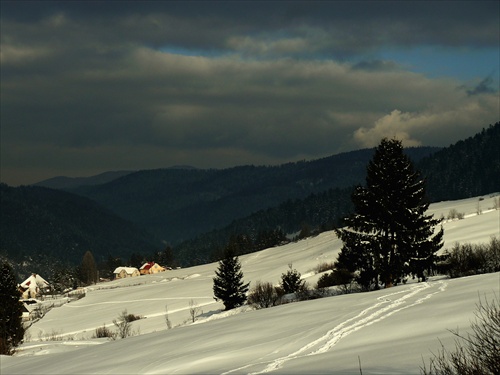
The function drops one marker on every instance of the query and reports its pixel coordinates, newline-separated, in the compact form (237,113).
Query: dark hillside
(466,169)
(178,204)
(315,213)
(63,226)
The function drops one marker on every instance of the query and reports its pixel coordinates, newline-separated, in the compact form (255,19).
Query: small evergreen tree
(290,281)
(11,326)
(389,236)
(228,281)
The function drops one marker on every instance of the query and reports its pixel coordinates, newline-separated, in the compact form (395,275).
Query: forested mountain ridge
(199,211)
(62,226)
(294,218)
(468,168)
(178,204)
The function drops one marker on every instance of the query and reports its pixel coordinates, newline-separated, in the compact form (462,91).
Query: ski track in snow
(384,308)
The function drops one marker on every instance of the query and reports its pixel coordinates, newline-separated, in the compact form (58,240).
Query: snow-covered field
(388,331)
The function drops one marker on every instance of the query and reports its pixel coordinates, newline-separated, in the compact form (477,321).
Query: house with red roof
(149,268)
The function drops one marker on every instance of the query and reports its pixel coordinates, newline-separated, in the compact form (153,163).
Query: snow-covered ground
(388,331)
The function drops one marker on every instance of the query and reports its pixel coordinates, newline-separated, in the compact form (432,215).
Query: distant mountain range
(178,204)
(197,210)
(62,182)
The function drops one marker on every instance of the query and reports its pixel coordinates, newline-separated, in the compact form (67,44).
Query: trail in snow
(384,308)
(90,329)
(117,302)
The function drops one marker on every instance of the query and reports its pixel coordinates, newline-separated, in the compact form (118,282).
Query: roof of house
(147,265)
(34,281)
(128,270)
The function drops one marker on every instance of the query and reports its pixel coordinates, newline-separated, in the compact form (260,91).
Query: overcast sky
(88,87)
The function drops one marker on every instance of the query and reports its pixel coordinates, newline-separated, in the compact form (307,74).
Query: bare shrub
(454,214)
(123,324)
(476,353)
(324,266)
(326,280)
(306,293)
(472,259)
(264,295)
(53,336)
(167,319)
(194,310)
(479,210)
(341,278)
(132,318)
(496,203)
(101,332)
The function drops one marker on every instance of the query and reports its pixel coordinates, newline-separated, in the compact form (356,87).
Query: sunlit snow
(388,331)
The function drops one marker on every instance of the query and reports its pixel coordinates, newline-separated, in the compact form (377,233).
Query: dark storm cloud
(332,28)
(94,86)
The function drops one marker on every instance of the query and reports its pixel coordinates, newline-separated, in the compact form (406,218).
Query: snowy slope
(390,330)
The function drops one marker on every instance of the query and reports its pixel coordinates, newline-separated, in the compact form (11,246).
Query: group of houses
(147,268)
(35,285)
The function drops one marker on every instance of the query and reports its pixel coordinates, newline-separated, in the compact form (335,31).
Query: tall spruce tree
(228,281)
(389,236)
(11,326)
(89,269)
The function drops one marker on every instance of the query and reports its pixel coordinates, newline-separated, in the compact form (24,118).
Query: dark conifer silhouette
(11,327)
(228,281)
(389,236)
(89,269)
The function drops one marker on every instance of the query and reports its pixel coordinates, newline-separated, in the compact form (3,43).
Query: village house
(151,268)
(123,272)
(33,286)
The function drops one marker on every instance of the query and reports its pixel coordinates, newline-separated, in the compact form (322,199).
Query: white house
(33,285)
(122,272)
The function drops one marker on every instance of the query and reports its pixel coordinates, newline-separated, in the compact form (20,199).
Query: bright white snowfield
(389,331)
